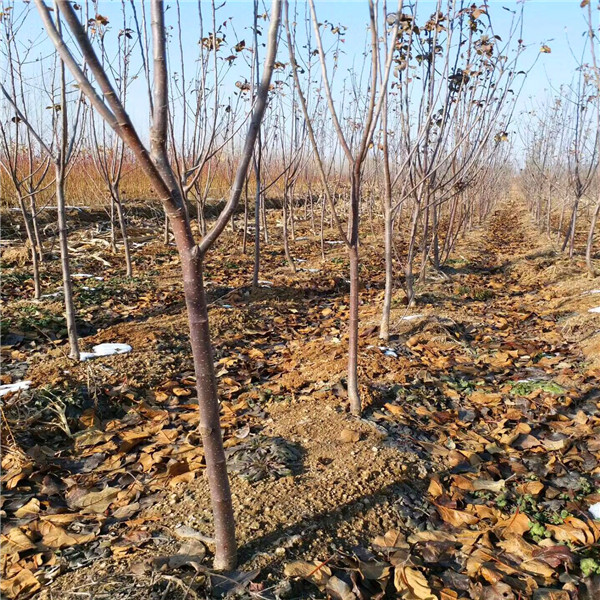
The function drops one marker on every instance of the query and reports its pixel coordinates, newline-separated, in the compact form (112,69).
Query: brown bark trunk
(36,229)
(208,402)
(409,272)
(29,230)
(590,242)
(353,394)
(256,269)
(384,328)
(286,243)
(65,265)
(113,229)
(124,236)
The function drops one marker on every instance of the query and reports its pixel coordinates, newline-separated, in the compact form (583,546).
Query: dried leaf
(349,436)
(315,572)
(23,583)
(96,502)
(55,537)
(458,518)
(412,584)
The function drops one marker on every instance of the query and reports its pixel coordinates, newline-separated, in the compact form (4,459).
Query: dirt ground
(488,385)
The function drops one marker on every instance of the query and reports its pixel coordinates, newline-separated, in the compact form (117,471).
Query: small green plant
(524,388)
(501,501)
(589,566)
(15,278)
(31,317)
(483,294)
(538,532)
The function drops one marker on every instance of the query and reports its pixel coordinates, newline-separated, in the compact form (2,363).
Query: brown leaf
(349,436)
(30,509)
(516,524)
(498,591)
(412,584)
(489,485)
(340,590)
(435,488)
(549,594)
(392,539)
(485,398)
(179,391)
(15,541)
(56,537)
(96,502)
(23,583)
(555,555)
(575,531)
(458,518)
(315,572)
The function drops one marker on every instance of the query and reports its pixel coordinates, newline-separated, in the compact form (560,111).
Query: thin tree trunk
(124,236)
(590,242)
(425,242)
(384,328)
(409,273)
(113,230)
(322,230)
(29,230)
(256,270)
(435,238)
(36,229)
(65,265)
(263,213)
(353,394)
(245,235)
(286,243)
(208,403)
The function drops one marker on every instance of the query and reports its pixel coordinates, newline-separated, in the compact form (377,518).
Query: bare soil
(508,308)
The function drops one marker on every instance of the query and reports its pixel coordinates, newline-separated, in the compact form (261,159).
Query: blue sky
(558,23)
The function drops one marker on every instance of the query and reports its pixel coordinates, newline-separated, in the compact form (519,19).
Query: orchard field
(294,307)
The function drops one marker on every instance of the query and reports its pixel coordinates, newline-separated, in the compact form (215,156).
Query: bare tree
(60,152)
(23,158)
(108,149)
(595,75)
(159,169)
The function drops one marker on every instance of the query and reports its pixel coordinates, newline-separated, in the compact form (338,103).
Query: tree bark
(31,238)
(590,241)
(208,402)
(353,394)
(65,265)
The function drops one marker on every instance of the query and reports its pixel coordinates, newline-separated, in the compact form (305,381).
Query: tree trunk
(286,243)
(29,230)
(245,234)
(384,328)
(409,272)
(208,403)
(435,238)
(65,266)
(425,242)
(113,230)
(36,229)
(124,236)
(353,394)
(590,242)
(256,270)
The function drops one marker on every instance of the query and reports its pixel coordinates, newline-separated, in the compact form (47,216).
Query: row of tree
(562,142)
(414,138)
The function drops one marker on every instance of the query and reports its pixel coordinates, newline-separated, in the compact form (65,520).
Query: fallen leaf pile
(479,385)
(54,501)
